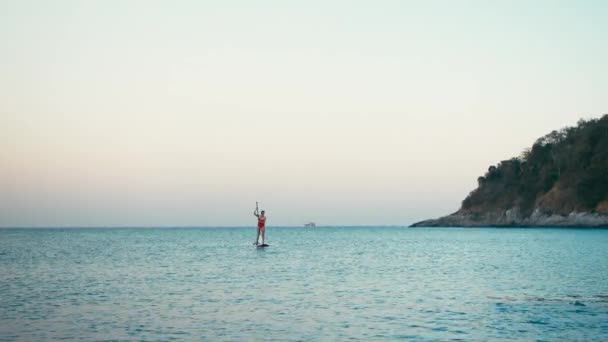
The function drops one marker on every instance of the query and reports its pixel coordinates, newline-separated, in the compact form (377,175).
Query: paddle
(257,213)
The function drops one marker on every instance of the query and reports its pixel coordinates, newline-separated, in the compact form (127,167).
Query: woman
(261,225)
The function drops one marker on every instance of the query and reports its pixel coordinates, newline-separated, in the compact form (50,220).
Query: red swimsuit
(262,222)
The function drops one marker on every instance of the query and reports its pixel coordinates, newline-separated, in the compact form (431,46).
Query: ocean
(324,283)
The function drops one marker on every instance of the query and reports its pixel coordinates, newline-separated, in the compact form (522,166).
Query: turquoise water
(373,283)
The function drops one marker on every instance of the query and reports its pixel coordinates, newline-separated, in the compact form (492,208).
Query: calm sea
(371,283)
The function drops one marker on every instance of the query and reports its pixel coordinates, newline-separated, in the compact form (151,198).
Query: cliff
(561,181)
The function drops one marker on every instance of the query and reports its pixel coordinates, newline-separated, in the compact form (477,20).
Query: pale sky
(339,112)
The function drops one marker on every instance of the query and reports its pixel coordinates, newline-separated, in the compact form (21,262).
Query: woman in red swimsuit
(261,225)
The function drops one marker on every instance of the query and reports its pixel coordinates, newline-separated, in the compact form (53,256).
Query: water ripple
(310,284)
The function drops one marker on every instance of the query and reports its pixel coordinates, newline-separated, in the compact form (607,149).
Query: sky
(185,113)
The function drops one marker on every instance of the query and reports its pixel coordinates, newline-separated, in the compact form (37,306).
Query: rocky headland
(561,181)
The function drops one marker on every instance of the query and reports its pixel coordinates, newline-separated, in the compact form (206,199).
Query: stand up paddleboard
(264,245)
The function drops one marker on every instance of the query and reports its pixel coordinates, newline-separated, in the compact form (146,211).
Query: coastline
(512,219)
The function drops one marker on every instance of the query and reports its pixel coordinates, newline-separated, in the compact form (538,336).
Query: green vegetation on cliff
(565,171)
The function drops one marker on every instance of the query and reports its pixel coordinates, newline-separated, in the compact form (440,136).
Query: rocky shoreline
(513,218)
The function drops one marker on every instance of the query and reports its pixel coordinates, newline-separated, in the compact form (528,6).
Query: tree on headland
(564,171)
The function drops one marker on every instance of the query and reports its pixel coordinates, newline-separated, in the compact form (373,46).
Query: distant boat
(310,224)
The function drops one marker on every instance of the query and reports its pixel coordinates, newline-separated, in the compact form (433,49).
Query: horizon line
(200,226)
